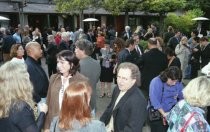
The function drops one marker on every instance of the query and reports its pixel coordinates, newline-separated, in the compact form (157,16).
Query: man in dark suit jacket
(173,41)
(152,62)
(205,51)
(125,55)
(138,50)
(37,75)
(127,109)
(127,33)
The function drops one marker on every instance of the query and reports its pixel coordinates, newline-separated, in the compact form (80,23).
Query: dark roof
(6,7)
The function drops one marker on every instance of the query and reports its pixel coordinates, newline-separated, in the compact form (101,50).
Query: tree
(202,4)
(118,6)
(75,6)
(184,22)
(162,7)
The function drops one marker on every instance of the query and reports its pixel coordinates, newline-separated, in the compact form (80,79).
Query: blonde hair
(137,29)
(183,40)
(197,92)
(14,86)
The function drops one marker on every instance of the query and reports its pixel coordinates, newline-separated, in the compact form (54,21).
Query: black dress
(106,66)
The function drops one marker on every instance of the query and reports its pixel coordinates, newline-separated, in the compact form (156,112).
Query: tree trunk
(81,17)
(161,24)
(126,18)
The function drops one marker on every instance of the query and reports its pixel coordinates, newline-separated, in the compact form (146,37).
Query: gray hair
(85,45)
(135,73)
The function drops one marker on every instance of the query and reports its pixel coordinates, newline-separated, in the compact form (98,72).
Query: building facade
(42,13)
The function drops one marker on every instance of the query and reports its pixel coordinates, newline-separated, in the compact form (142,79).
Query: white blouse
(65,84)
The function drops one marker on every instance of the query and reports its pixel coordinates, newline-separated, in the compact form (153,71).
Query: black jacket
(8,41)
(130,112)
(152,64)
(38,78)
(205,56)
(21,119)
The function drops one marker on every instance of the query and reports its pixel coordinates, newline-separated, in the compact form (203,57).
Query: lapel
(123,99)
(56,83)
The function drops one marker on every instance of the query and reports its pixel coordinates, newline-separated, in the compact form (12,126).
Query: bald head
(34,50)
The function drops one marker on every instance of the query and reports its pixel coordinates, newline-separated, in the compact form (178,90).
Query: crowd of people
(65,99)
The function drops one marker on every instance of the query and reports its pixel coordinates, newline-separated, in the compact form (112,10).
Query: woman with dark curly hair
(165,91)
(68,66)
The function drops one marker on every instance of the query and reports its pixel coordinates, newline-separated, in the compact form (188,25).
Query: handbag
(153,114)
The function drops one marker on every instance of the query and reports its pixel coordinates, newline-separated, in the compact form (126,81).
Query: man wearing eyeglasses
(127,109)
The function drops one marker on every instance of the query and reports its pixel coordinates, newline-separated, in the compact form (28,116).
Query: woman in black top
(16,104)
(172,59)
(195,57)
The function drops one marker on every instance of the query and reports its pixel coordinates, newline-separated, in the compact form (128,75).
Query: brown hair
(120,44)
(75,105)
(13,50)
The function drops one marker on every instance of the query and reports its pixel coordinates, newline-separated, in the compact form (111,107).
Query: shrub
(184,23)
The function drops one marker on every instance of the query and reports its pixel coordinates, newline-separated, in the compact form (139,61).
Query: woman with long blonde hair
(16,104)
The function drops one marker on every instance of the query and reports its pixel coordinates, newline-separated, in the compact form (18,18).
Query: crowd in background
(78,60)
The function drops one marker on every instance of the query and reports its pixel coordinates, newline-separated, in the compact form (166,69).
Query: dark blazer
(124,56)
(38,78)
(124,35)
(173,41)
(7,43)
(63,46)
(136,55)
(21,119)
(195,58)
(130,112)
(205,56)
(153,63)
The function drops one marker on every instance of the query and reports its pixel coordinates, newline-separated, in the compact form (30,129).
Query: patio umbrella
(3,18)
(200,19)
(90,20)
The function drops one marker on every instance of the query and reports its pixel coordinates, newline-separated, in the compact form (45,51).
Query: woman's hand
(162,112)
(43,107)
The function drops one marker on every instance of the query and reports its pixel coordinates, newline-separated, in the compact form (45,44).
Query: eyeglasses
(123,78)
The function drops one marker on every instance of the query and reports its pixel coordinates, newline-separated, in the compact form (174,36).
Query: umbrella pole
(199,27)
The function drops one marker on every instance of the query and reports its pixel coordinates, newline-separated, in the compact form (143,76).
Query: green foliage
(202,4)
(115,6)
(183,23)
(162,6)
(143,43)
(118,6)
(72,6)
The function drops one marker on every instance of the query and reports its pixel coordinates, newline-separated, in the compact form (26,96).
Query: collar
(86,58)
(32,59)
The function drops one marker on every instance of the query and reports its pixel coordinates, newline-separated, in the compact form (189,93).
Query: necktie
(138,50)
